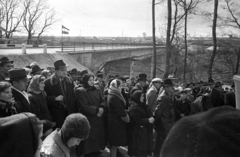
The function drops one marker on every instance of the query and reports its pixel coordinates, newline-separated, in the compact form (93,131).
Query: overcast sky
(114,18)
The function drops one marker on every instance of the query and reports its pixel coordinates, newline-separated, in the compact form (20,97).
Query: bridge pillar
(44,48)
(24,48)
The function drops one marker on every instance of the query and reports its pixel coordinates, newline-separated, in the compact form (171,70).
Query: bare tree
(154,58)
(38,17)
(188,8)
(12,16)
(214,52)
(168,40)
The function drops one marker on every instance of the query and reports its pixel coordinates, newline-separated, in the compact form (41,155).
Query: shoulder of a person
(80,88)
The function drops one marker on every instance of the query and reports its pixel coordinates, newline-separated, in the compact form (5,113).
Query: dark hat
(142,77)
(73,71)
(191,83)
(75,125)
(47,125)
(167,82)
(17,74)
(211,133)
(210,81)
(99,74)
(59,64)
(36,68)
(218,84)
(84,72)
(5,60)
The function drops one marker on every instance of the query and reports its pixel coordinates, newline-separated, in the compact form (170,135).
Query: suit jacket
(60,110)
(152,95)
(164,114)
(21,103)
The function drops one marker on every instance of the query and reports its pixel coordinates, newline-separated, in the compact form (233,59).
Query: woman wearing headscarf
(117,117)
(140,142)
(37,98)
(20,135)
(6,100)
(91,104)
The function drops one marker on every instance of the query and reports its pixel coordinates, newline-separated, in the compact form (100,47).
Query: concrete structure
(122,62)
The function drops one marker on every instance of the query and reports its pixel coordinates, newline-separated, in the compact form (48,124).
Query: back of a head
(214,133)
(75,125)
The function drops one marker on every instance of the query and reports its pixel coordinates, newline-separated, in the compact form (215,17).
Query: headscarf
(85,79)
(34,84)
(19,135)
(113,89)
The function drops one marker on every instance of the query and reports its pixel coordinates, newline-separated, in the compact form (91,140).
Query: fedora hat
(73,71)
(5,60)
(36,68)
(167,82)
(59,64)
(84,72)
(142,77)
(17,74)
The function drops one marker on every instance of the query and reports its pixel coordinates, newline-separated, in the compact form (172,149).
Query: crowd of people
(79,114)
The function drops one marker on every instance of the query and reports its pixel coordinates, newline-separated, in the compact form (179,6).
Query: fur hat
(215,133)
(75,125)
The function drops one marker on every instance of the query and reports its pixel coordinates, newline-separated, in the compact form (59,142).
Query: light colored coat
(53,146)
(152,95)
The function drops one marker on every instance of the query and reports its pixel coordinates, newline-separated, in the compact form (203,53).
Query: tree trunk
(154,58)
(185,40)
(214,39)
(237,64)
(168,43)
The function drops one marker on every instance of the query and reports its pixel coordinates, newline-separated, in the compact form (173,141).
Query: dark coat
(229,99)
(217,98)
(117,131)
(60,110)
(89,101)
(164,114)
(21,103)
(141,140)
(182,107)
(9,109)
(135,88)
(40,107)
(196,107)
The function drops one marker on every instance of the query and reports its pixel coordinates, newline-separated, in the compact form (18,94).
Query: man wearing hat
(152,93)
(164,115)
(73,76)
(5,65)
(60,93)
(142,79)
(36,70)
(19,81)
(182,106)
(99,83)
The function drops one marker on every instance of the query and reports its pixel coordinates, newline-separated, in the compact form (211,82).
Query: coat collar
(54,80)
(57,138)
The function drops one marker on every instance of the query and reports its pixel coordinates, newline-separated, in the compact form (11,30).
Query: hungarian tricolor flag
(65,30)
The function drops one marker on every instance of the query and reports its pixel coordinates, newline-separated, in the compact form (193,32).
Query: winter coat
(21,103)
(229,99)
(40,107)
(152,95)
(141,140)
(60,110)
(89,100)
(135,88)
(53,146)
(196,107)
(8,110)
(182,108)
(164,114)
(117,131)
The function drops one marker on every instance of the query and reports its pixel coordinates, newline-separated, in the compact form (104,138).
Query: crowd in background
(131,112)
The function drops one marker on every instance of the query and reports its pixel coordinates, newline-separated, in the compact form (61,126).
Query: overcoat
(60,110)
(141,140)
(89,100)
(117,131)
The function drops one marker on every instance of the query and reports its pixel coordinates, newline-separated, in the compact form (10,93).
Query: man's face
(74,77)
(183,96)
(6,67)
(142,83)
(61,72)
(157,85)
(21,85)
(169,89)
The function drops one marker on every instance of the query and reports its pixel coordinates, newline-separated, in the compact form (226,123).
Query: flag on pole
(65,30)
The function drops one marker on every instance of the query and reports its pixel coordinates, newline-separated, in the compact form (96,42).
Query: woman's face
(41,85)
(6,95)
(91,81)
